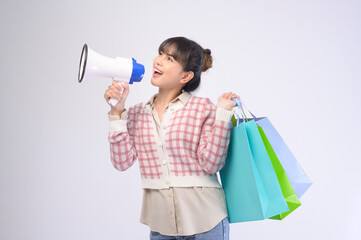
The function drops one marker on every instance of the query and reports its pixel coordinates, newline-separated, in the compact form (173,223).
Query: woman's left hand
(225,100)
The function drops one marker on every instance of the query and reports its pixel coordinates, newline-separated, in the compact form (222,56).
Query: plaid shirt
(196,134)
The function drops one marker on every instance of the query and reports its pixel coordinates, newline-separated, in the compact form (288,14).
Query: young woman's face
(167,72)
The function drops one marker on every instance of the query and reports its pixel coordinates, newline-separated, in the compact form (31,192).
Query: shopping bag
(287,190)
(248,178)
(297,176)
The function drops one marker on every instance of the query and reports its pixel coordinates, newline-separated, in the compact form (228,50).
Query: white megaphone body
(93,64)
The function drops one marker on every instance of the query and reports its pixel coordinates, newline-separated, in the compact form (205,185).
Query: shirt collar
(183,98)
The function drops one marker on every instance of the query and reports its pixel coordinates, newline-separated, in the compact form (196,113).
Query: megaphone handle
(114,101)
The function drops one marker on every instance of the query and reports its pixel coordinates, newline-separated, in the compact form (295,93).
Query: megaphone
(93,64)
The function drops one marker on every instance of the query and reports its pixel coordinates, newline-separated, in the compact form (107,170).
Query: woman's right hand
(114,91)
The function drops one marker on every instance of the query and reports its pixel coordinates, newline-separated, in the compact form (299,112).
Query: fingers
(229,95)
(118,90)
(125,87)
(112,92)
(120,85)
(124,84)
(234,96)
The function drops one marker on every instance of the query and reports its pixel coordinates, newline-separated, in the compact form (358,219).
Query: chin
(153,82)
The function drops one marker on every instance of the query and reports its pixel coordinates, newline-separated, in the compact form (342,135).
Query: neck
(164,97)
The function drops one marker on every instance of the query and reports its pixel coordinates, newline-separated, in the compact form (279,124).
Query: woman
(181,143)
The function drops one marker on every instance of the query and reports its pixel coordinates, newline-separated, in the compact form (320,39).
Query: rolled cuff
(224,114)
(118,125)
(116,117)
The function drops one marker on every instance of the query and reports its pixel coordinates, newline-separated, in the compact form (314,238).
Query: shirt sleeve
(215,135)
(121,138)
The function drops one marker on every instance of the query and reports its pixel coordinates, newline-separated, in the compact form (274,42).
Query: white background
(296,62)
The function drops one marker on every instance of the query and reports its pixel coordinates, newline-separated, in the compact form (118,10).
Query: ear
(187,76)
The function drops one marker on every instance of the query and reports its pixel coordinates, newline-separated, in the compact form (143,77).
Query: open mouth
(157,72)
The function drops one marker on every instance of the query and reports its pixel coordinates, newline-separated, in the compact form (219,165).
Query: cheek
(174,71)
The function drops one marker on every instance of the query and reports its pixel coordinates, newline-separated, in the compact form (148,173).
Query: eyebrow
(171,55)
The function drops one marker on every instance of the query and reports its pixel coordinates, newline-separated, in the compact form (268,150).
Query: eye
(160,53)
(170,59)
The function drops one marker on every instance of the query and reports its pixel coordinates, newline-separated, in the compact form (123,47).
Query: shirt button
(159,145)
(164,162)
(167,182)
(164,127)
(172,109)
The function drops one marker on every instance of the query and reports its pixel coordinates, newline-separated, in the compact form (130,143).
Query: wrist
(116,112)
(223,105)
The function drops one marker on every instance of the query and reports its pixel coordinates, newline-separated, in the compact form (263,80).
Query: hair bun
(207,51)
(207,60)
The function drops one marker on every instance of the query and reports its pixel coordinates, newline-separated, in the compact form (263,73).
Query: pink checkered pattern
(195,142)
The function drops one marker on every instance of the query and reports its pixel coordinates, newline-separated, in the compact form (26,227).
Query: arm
(215,135)
(121,132)
(121,138)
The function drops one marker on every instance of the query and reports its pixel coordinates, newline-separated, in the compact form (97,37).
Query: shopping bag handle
(240,111)
(242,105)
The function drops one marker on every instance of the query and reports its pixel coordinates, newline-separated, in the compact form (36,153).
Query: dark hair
(192,57)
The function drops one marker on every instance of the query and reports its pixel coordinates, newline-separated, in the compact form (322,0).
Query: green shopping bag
(287,190)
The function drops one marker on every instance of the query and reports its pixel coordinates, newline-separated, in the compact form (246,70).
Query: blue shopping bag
(248,178)
(295,173)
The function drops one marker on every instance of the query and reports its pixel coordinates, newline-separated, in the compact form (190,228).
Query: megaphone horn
(93,64)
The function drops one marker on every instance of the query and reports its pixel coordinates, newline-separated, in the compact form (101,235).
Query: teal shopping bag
(248,178)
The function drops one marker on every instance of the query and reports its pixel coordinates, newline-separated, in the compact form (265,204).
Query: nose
(158,60)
